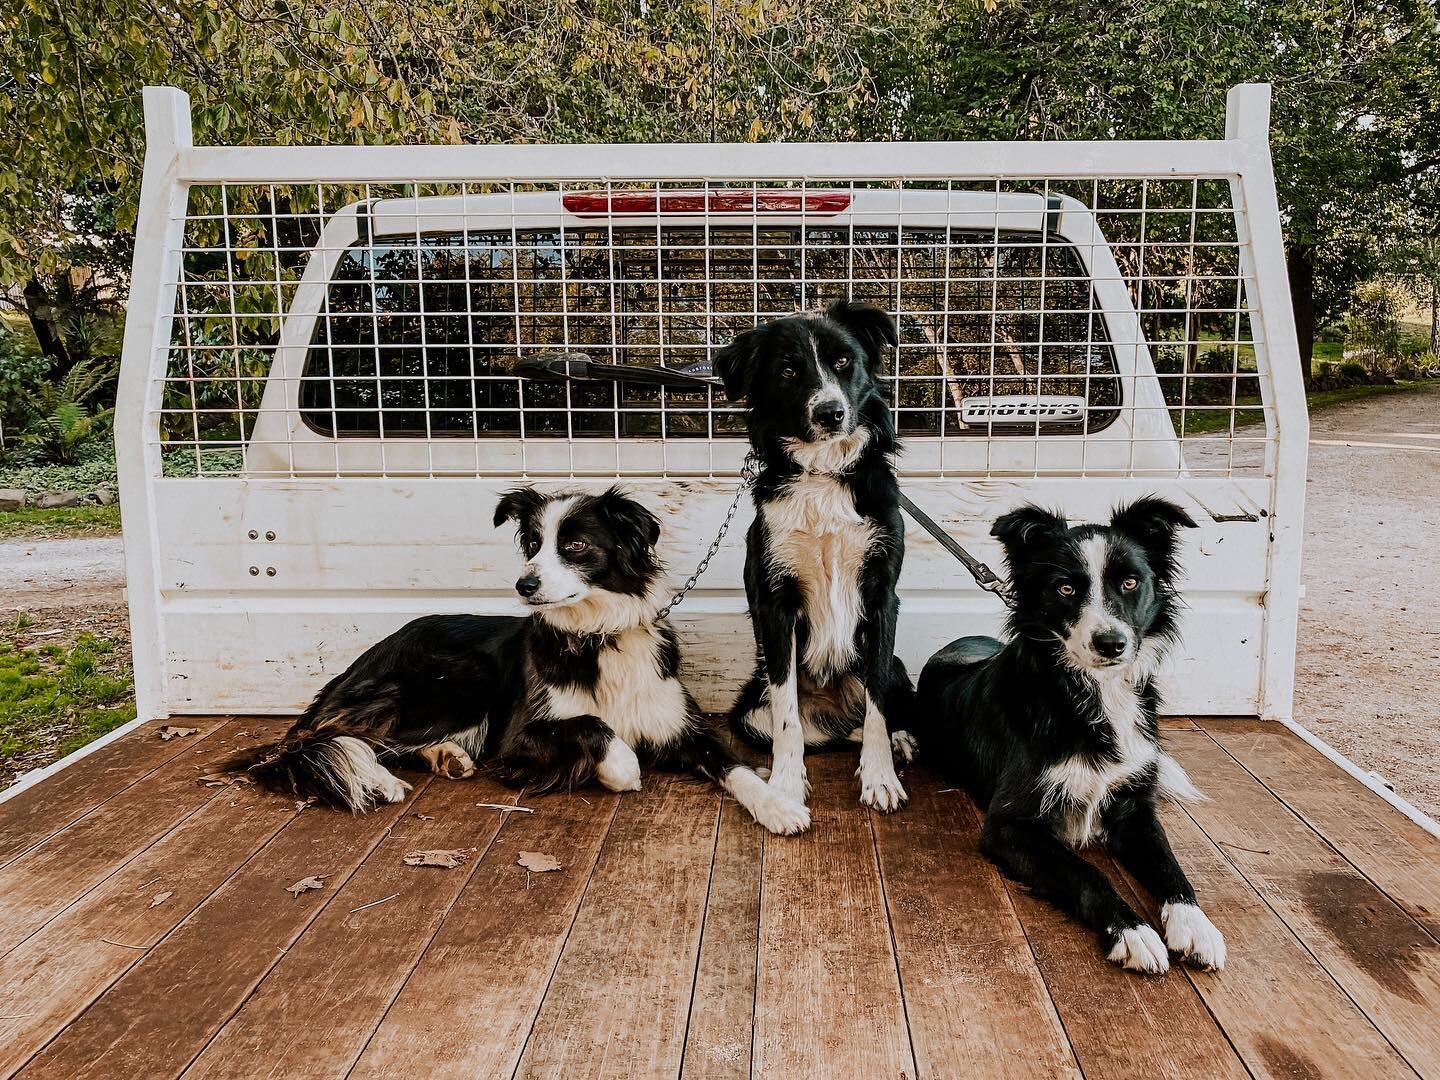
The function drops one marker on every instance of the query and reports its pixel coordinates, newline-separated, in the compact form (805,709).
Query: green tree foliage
(1356,111)
(1356,114)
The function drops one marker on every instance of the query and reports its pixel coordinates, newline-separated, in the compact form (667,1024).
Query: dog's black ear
(736,364)
(872,325)
(1023,527)
(628,517)
(636,532)
(1152,522)
(518,504)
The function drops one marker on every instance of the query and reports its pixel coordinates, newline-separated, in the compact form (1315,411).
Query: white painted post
(1277,352)
(158,234)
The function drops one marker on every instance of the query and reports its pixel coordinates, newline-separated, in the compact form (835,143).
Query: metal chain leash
(749,470)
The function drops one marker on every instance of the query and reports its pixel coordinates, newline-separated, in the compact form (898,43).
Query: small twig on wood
(1242,847)
(122,945)
(505,808)
(946,790)
(374,903)
(147,884)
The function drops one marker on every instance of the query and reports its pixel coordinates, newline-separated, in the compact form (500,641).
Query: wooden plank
(46,981)
(218,954)
(346,969)
(45,880)
(1383,844)
(976,1002)
(1119,1023)
(621,993)
(39,812)
(1383,959)
(827,996)
(466,1008)
(1281,1011)
(722,1008)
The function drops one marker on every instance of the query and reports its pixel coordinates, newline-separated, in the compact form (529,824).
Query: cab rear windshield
(419,336)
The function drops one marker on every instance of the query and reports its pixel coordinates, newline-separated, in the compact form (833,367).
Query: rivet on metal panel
(253,535)
(269,571)
(254,570)
(270,535)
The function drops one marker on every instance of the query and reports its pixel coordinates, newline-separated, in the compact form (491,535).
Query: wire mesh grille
(1046,327)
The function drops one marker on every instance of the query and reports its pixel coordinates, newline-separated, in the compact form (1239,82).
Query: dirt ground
(1369,649)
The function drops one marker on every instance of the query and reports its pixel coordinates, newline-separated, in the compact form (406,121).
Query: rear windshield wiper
(578,367)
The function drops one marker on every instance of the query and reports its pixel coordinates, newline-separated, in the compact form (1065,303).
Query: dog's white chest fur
(630,694)
(1079,786)
(817,535)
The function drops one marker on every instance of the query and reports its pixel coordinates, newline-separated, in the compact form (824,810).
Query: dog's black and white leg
(1138,840)
(547,752)
(776,630)
(1031,854)
(880,788)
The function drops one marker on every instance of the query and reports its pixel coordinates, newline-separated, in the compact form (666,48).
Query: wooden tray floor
(146,930)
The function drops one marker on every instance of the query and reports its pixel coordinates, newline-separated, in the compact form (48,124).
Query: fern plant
(58,419)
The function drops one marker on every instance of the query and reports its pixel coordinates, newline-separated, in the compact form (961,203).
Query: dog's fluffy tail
(341,770)
(1173,781)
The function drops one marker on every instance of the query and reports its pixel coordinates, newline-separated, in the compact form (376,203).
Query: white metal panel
(353,557)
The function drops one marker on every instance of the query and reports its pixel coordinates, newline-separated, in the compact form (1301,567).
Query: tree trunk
(47,333)
(1300,263)
(1435,315)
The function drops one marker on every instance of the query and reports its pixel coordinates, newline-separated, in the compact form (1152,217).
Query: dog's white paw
(391,789)
(903,746)
(781,814)
(619,769)
(1189,932)
(880,788)
(1140,949)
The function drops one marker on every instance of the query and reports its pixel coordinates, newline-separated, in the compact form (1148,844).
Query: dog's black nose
(829,415)
(528,585)
(1109,644)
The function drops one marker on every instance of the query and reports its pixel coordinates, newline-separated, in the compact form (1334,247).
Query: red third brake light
(598,204)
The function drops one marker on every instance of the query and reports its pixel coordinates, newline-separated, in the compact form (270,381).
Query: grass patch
(1200,422)
(55,699)
(60,522)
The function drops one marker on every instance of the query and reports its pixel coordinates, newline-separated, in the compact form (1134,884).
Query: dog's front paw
(880,789)
(1189,932)
(1139,948)
(903,746)
(619,769)
(781,814)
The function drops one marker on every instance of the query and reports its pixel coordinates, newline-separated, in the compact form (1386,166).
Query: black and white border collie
(825,549)
(1055,733)
(584,688)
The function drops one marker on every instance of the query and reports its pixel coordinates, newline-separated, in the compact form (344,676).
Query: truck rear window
(419,336)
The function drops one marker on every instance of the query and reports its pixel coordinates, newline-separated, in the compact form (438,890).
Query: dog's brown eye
(1067,590)
(788,372)
(841,363)
(577,547)
(1130,584)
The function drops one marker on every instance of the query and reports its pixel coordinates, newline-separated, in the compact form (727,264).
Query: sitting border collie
(583,688)
(1055,733)
(824,551)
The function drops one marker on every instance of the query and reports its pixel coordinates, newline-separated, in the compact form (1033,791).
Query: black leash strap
(983,575)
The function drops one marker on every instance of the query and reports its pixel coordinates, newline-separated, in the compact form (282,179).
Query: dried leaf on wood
(306,884)
(160,898)
(445,859)
(538,861)
(167,732)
